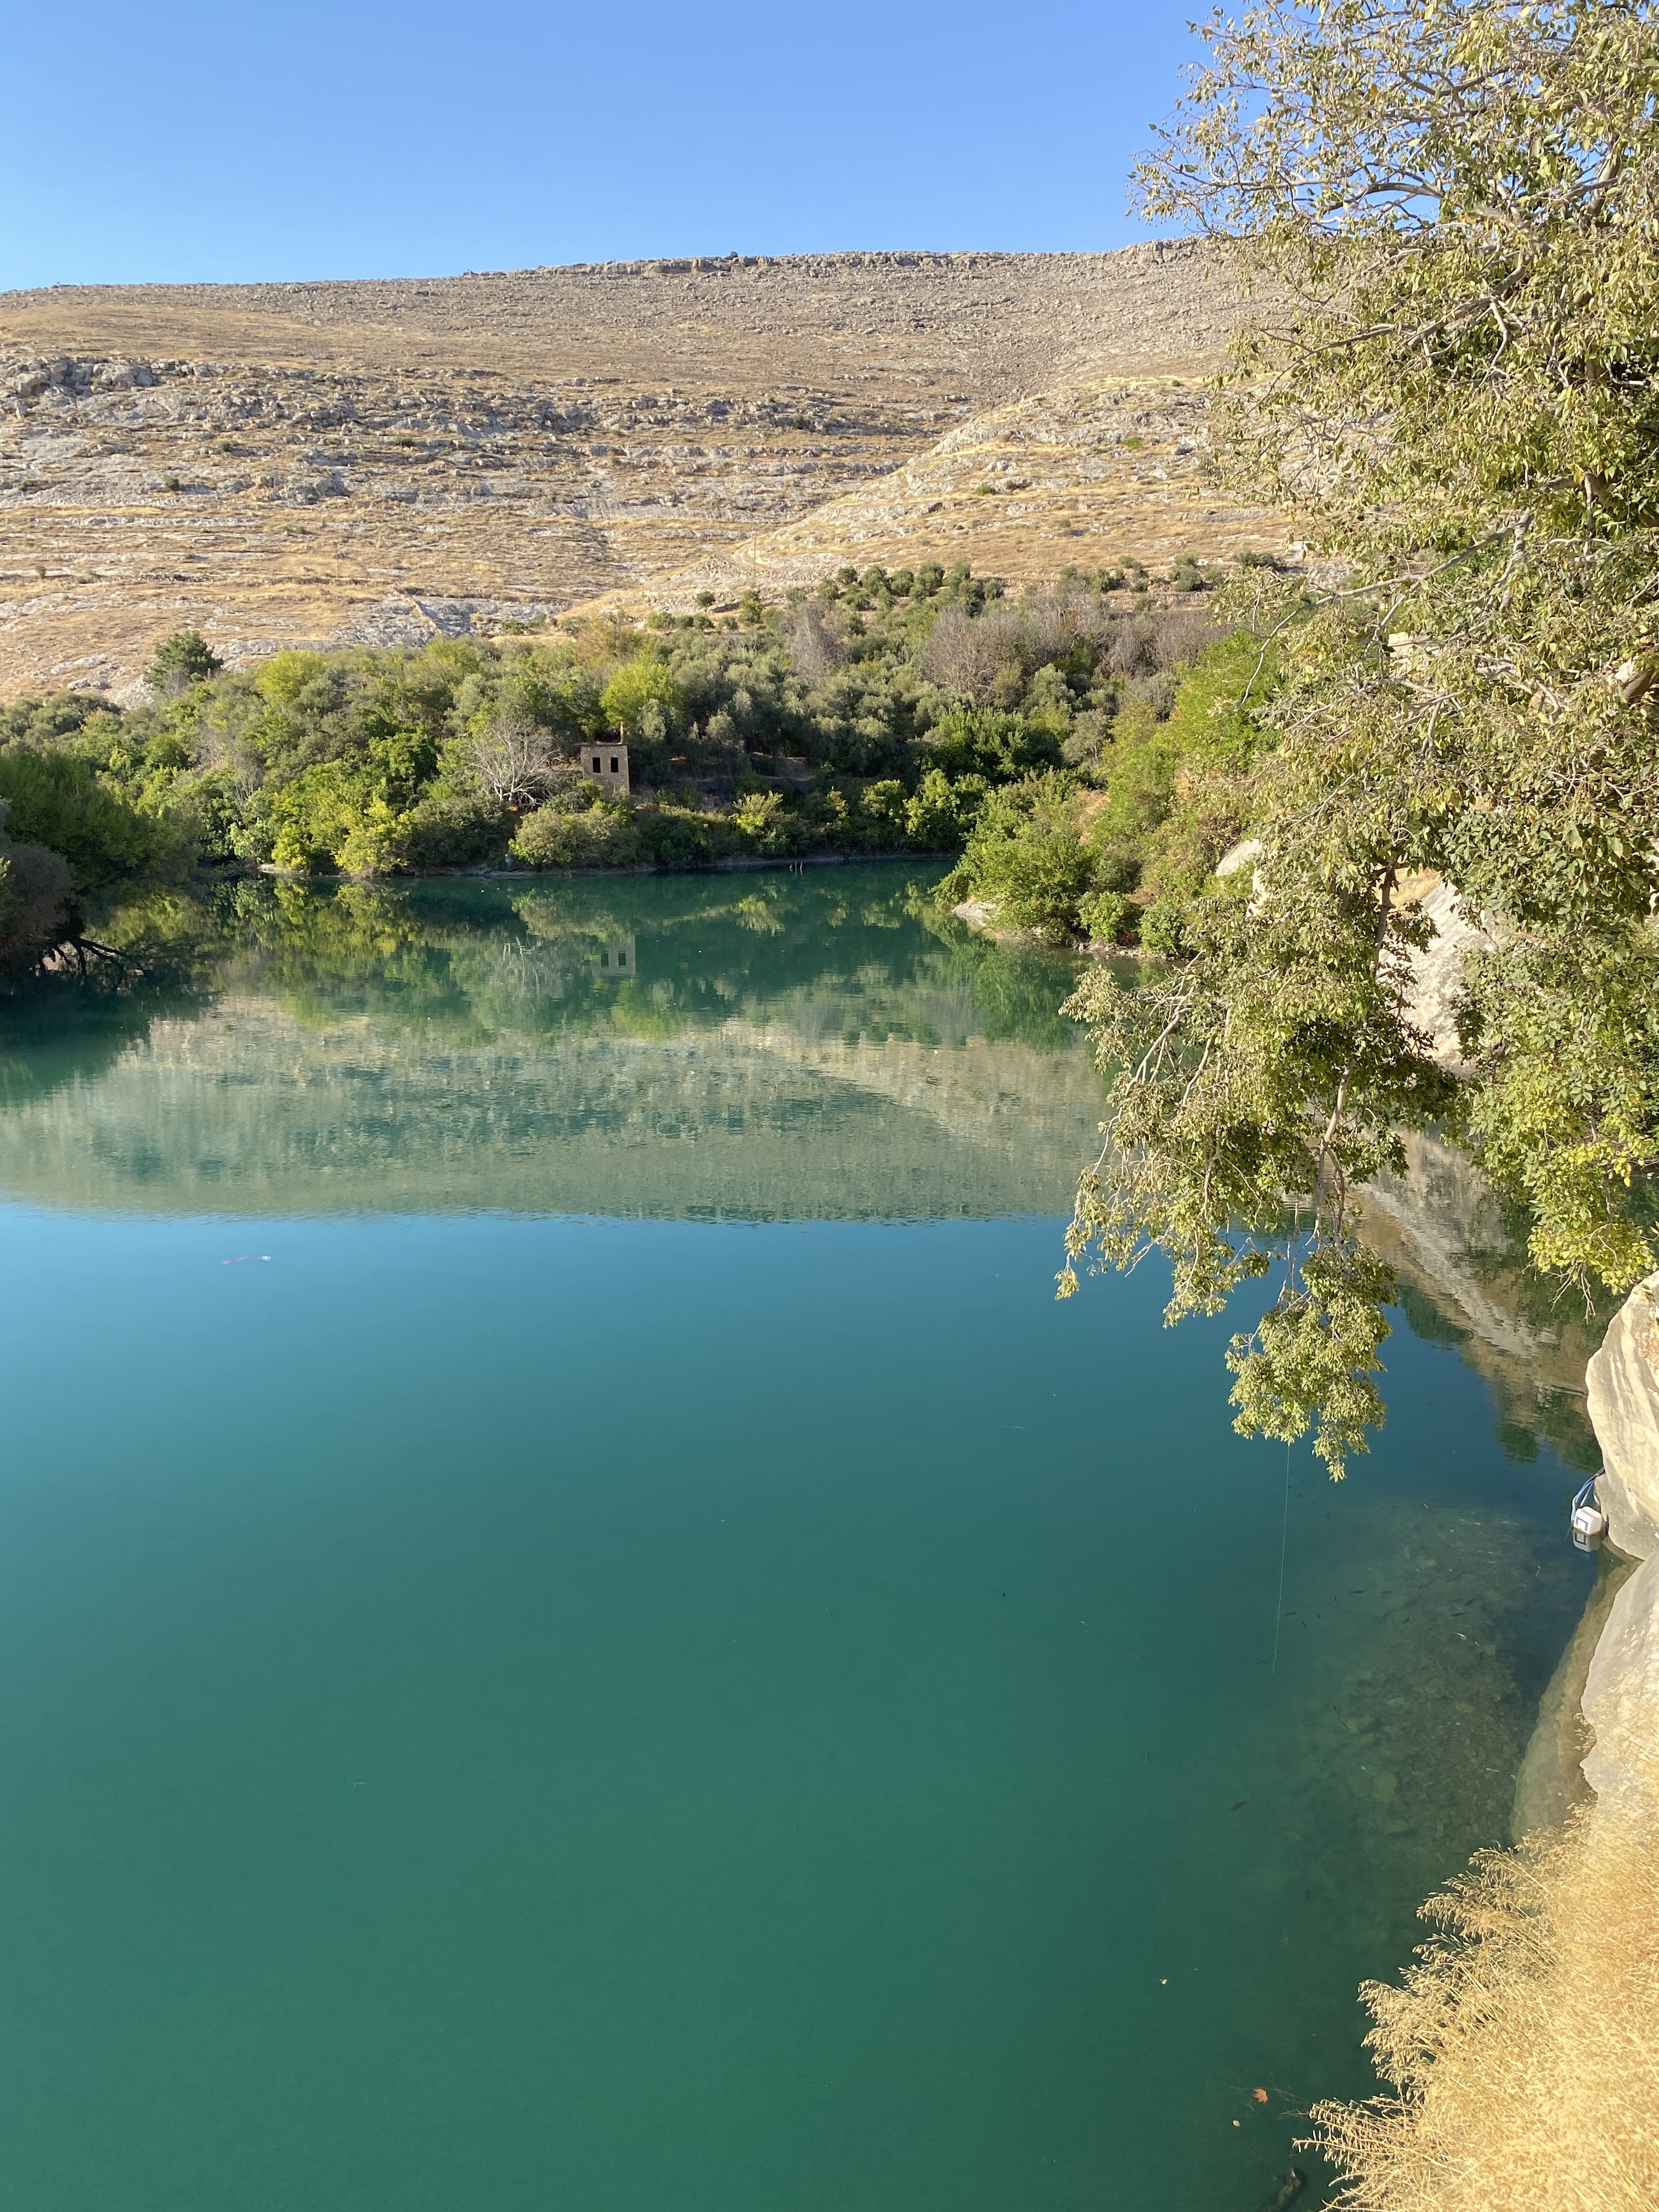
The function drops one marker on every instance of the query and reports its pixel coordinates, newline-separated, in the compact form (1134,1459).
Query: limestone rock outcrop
(1623,1404)
(1437,971)
(1621,1693)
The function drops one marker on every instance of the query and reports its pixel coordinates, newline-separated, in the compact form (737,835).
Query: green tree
(1025,852)
(284,678)
(182,659)
(37,901)
(601,836)
(940,813)
(57,800)
(1448,211)
(644,693)
(969,740)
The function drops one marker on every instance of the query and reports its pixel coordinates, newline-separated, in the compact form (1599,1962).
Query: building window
(622,960)
(616,765)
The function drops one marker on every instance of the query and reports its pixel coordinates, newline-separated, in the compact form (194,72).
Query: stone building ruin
(606,764)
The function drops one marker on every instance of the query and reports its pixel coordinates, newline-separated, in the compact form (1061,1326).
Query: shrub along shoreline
(732,864)
(922,713)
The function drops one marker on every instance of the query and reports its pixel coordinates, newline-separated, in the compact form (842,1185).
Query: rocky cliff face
(1598,1727)
(1621,1691)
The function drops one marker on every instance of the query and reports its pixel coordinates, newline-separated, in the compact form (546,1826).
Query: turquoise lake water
(577,1627)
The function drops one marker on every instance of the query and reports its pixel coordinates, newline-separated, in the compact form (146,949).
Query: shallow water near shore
(577,1625)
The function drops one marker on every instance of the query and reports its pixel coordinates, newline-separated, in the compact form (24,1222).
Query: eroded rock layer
(380,462)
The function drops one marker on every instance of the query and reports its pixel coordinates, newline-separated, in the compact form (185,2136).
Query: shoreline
(730,864)
(1598,1721)
(1620,1702)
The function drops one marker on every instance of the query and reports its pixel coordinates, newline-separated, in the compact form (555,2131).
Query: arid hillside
(1087,473)
(376,461)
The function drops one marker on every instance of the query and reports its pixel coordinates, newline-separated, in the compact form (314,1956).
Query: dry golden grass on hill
(1092,475)
(377,462)
(1526,2045)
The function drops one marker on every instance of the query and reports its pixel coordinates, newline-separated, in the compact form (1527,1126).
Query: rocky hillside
(278,464)
(1092,474)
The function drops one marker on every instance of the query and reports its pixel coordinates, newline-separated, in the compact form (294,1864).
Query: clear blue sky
(178,140)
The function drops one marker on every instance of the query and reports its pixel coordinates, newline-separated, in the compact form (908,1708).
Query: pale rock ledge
(1621,1693)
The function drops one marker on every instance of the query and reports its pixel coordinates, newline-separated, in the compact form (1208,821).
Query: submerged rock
(1290,2186)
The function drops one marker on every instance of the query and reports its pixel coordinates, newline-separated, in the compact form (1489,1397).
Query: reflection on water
(1460,1258)
(819,1046)
(790,1047)
(642,1659)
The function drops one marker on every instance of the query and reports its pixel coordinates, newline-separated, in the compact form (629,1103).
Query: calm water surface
(577,1628)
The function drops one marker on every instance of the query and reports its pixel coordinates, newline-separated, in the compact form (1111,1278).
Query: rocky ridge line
(280,464)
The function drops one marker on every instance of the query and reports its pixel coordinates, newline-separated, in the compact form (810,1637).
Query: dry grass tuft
(1524,2045)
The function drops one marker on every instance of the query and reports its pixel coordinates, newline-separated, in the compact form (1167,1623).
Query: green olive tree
(1446,216)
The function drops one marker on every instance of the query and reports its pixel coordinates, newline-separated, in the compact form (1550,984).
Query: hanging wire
(1284,1538)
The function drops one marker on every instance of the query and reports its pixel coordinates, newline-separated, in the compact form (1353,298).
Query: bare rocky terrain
(380,461)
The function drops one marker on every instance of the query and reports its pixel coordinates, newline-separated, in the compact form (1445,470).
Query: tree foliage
(183,659)
(822,725)
(37,901)
(1450,216)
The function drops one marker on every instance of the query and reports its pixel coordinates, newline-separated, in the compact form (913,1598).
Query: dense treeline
(913,711)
